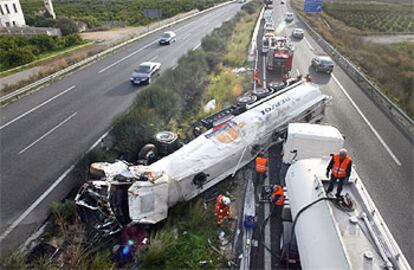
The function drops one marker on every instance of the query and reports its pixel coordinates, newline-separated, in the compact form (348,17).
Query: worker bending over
(261,166)
(278,197)
(223,209)
(340,165)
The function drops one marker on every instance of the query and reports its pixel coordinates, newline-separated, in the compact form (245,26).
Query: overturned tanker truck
(128,193)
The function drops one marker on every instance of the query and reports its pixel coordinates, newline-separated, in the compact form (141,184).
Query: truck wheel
(261,93)
(167,142)
(149,153)
(246,99)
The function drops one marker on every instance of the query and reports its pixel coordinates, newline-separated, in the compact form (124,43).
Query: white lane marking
(35,204)
(126,57)
(46,193)
(367,122)
(267,256)
(307,42)
(37,107)
(48,133)
(186,36)
(197,46)
(153,58)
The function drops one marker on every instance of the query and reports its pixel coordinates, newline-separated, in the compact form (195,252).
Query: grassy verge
(390,66)
(188,238)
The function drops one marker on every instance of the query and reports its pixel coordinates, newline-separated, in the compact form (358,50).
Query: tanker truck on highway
(122,193)
(323,232)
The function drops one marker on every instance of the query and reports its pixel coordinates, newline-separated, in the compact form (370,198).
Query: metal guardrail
(95,57)
(386,104)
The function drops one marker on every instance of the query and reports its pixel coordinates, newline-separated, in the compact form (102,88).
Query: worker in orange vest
(223,208)
(261,166)
(341,165)
(278,197)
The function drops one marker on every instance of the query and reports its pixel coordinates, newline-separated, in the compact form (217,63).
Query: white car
(167,38)
(289,17)
(298,33)
(144,73)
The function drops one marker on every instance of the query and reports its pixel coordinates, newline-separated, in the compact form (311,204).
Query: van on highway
(289,17)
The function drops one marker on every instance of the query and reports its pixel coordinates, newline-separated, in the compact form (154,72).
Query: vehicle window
(165,35)
(143,69)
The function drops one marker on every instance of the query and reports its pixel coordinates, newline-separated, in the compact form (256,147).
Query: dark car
(167,38)
(144,72)
(323,64)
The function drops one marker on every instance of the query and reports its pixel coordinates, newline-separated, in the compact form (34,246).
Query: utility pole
(49,8)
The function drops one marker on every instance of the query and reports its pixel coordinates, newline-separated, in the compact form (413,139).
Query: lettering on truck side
(275,106)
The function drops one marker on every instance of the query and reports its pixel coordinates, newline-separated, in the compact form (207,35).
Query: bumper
(139,81)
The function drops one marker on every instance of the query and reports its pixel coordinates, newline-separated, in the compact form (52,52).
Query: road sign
(313,6)
(153,13)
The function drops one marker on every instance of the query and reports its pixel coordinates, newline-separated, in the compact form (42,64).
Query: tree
(66,26)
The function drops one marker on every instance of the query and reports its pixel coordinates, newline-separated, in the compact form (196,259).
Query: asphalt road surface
(44,133)
(381,152)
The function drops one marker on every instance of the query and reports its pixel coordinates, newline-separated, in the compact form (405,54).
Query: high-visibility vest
(339,169)
(278,196)
(221,208)
(261,163)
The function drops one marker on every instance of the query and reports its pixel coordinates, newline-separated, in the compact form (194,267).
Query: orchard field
(370,17)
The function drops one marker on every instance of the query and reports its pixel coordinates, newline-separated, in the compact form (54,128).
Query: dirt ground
(388,39)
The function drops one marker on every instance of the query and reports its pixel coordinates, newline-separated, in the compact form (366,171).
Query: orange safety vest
(261,164)
(339,169)
(278,196)
(222,210)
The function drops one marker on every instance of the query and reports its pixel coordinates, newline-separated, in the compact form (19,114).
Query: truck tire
(96,171)
(246,99)
(261,92)
(167,142)
(149,153)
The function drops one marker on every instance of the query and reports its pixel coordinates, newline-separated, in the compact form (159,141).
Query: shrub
(17,56)
(66,26)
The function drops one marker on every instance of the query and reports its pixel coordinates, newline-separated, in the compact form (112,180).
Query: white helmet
(226,200)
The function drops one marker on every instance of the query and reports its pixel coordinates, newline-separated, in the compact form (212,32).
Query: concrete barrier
(100,55)
(399,117)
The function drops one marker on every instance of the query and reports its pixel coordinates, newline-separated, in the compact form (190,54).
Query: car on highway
(167,38)
(144,72)
(269,7)
(323,64)
(298,33)
(289,16)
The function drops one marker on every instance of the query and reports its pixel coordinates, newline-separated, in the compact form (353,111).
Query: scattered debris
(210,106)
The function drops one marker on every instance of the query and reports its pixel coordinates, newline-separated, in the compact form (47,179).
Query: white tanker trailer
(143,194)
(329,235)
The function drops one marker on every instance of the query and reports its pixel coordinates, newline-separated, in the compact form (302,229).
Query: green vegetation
(96,12)
(369,17)
(390,66)
(20,50)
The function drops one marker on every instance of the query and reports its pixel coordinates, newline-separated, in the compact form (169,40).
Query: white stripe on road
(45,194)
(186,36)
(37,107)
(307,42)
(47,133)
(367,122)
(153,58)
(126,57)
(197,46)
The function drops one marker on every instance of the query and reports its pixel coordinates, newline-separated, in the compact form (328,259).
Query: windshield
(165,35)
(143,69)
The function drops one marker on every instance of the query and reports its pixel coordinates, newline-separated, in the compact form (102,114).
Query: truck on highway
(279,59)
(122,193)
(322,232)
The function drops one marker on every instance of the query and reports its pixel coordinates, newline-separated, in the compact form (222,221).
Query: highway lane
(382,153)
(44,133)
